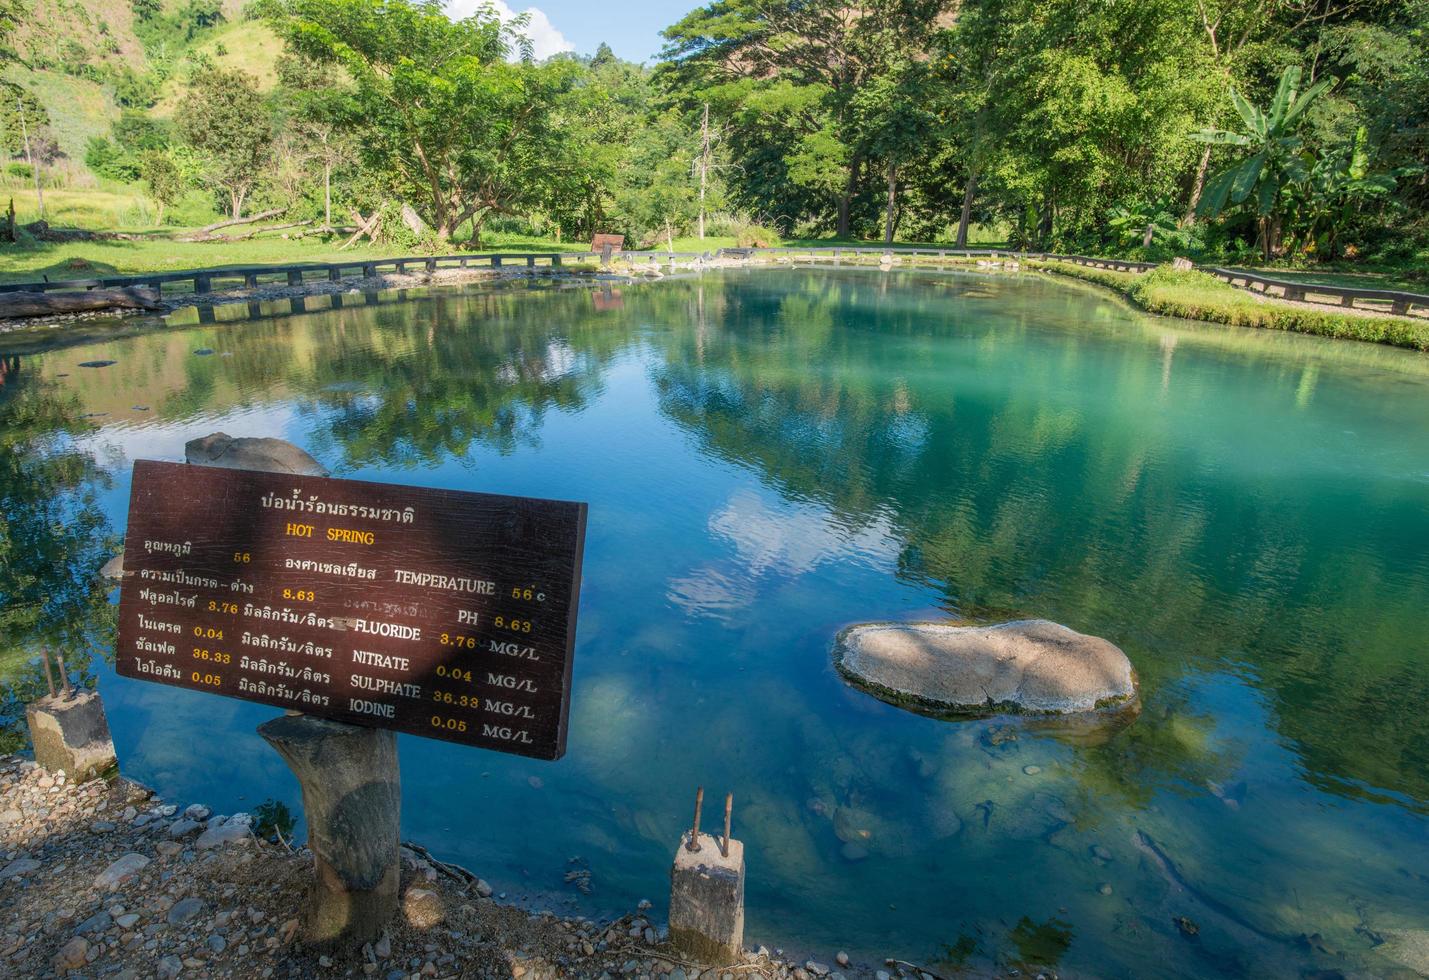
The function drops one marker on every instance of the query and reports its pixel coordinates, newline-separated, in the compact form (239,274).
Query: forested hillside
(1268,130)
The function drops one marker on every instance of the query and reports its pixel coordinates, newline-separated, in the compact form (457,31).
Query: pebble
(423,908)
(1104,888)
(72,955)
(816,968)
(120,871)
(127,920)
(841,959)
(184,910)
(231,831)
(382,949)
(170,966)
(19,867)
(98,922)
(184,827)
(1031,770)
(102,827)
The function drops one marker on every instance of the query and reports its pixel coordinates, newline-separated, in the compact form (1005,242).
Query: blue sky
(631,27)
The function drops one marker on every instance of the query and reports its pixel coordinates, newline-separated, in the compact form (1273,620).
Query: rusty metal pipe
(66,691)
(728,812)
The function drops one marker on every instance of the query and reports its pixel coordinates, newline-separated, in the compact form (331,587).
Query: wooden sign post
(605,245)
(439,613)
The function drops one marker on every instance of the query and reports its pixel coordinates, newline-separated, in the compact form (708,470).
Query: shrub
(752,235)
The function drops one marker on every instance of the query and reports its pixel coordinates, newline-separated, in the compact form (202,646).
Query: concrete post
(71,733)
(707,900)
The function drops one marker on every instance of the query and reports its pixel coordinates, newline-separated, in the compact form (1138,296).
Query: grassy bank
(1198,296)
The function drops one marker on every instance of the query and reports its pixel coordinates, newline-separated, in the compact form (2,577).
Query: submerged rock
(271,455)
(1030,665)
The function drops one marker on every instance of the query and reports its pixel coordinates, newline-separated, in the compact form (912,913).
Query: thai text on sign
(434,612)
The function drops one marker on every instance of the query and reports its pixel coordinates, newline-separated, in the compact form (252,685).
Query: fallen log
(19,304)
(326,230)
(248,234)
(204,233)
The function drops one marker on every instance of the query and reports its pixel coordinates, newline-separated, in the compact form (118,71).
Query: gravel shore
(105,880)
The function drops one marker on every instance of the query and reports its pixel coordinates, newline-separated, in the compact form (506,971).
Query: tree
(787,73)
(318,103)
(226,121)
(453,127)
(893,126)
(1275,157)
(165,181)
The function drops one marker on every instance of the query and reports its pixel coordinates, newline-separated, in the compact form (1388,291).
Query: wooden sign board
(602,241)
(440,613)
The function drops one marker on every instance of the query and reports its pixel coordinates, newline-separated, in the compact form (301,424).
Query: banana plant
(1339,189)
(1273,157)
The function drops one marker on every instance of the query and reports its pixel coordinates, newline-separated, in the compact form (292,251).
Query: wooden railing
(206,280)
(1398,301)
(203,281)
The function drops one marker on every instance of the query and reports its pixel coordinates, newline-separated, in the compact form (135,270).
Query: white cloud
(546,38)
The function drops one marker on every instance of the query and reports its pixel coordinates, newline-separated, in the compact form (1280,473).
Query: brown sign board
(440,613)
(603,241)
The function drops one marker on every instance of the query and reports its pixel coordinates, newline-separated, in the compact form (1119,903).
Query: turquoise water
(772,455)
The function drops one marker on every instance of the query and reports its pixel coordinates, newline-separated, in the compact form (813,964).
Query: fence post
(295,277)
(203,283)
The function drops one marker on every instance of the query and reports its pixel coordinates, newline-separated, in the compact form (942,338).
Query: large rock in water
(270,455)
(1032,666)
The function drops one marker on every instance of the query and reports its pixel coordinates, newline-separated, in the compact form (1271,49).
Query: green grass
(112,210)
(78,108)
(1200,296)
(249,45)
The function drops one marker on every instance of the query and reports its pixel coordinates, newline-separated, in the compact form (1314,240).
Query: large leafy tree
(226,121)
(1271,156)
(787,74)
(453,127)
